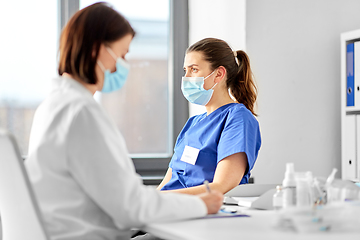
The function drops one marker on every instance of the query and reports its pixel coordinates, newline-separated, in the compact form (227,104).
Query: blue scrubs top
(230,129)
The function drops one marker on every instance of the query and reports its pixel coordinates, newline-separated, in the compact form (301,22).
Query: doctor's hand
(213,200)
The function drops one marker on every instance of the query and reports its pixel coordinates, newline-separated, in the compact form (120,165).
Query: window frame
(152,169)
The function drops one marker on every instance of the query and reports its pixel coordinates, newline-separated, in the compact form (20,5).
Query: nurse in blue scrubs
(221,145)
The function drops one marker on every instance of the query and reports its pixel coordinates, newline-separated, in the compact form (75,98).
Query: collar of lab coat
(66,83)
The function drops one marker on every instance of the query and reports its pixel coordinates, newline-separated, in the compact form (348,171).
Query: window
(150,110)
(29,42)
(141,108)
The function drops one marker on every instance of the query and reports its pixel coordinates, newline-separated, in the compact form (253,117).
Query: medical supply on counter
(322,204)
(331,177)
(342,190)
(319,190)
(278,198)
(289,186)
(304,189)
(339,217)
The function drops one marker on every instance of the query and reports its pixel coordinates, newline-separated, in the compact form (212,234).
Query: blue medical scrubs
(230,129)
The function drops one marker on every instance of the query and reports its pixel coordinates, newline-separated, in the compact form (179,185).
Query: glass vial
(289,186)
(278,198)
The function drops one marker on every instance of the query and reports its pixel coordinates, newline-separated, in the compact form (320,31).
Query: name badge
(190,155)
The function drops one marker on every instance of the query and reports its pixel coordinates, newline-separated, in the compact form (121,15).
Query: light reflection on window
(141,108)
(28,47)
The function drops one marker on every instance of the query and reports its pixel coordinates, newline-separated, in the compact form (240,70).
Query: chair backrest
(20,215)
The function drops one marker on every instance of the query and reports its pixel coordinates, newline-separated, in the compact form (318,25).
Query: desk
(257,227)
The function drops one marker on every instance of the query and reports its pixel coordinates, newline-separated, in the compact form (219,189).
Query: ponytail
(242,85)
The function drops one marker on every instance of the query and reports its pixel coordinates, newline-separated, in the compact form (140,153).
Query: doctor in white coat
(78,163)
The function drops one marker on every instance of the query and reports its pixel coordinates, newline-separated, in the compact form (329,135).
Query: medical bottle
(278,198)
(289,186)
(304,191)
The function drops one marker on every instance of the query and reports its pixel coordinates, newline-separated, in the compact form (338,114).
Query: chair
(20,215)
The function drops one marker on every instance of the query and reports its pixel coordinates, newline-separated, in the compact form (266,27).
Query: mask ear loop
(111,53)
(209,76)
(101,65)
(214,86)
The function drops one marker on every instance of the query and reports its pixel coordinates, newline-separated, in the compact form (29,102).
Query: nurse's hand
(213,201)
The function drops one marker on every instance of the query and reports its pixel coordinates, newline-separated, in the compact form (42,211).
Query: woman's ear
(220,74)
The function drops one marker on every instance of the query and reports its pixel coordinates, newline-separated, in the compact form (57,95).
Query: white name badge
(190,155)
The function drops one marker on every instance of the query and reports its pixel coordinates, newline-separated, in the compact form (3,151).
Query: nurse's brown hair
(82,36)
(240,79)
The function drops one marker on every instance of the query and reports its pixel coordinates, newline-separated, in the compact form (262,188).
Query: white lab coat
(85,183)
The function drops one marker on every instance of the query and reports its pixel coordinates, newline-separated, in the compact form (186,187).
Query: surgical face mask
(114,81)
(193,90)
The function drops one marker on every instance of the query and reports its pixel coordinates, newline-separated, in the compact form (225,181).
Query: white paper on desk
(245,201)
(250,190)
(263,202)
(226,215)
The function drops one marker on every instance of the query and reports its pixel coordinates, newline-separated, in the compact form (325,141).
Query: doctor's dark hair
(83,35)
(240,79)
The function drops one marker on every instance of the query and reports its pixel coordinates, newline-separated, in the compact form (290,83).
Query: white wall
(294,48)
(295,51)
(224,19)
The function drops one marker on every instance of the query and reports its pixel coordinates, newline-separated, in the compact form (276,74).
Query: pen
(206,183)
